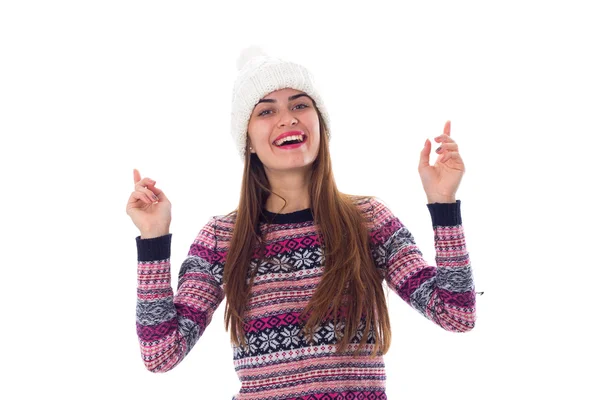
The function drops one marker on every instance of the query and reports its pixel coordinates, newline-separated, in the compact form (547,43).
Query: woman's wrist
(154,234)
(431,200)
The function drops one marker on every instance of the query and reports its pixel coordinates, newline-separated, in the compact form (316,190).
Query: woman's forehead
(281,92)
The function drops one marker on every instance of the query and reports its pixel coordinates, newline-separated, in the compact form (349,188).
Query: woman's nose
(287,119)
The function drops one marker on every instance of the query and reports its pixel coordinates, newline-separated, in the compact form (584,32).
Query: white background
(91,90)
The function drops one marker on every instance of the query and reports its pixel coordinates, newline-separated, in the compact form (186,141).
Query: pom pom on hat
(258,75)
(247,54)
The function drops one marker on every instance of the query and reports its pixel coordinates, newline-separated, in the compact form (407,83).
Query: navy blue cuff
(154,249)
(445,214)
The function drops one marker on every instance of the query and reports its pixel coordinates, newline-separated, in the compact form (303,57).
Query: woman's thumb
(424,158)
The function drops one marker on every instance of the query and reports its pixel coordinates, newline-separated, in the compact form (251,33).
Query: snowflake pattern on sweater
(278,363)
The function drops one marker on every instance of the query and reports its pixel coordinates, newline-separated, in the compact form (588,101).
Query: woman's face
(280,112)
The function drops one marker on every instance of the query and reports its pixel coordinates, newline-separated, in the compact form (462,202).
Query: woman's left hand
(441,180)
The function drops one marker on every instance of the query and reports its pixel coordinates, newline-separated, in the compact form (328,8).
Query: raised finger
(447,128)
(136,176)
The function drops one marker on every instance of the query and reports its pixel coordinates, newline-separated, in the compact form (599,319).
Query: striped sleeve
(169,325)
(444,294)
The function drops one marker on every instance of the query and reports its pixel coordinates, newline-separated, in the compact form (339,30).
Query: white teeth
(287,139)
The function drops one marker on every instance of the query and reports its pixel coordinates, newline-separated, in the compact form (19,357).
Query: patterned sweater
(278,364)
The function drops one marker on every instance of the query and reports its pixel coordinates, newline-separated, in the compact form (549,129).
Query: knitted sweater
(278,364)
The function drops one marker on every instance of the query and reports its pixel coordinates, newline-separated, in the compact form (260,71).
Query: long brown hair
(350,280)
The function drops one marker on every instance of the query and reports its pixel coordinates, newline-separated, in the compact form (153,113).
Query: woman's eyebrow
(294,97)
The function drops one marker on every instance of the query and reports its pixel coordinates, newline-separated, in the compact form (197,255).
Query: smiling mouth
(293,142)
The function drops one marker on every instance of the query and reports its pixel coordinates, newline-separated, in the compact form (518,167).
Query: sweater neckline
(304,215)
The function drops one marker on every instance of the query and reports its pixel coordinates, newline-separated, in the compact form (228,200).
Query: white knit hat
(260,75)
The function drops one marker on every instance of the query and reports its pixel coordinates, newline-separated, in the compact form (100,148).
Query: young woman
(300,264)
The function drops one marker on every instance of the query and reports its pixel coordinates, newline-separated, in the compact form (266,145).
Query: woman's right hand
(149,208)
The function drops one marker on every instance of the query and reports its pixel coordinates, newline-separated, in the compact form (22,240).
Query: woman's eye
(303,106)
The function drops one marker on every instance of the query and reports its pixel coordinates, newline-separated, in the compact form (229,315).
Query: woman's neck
(294,187)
